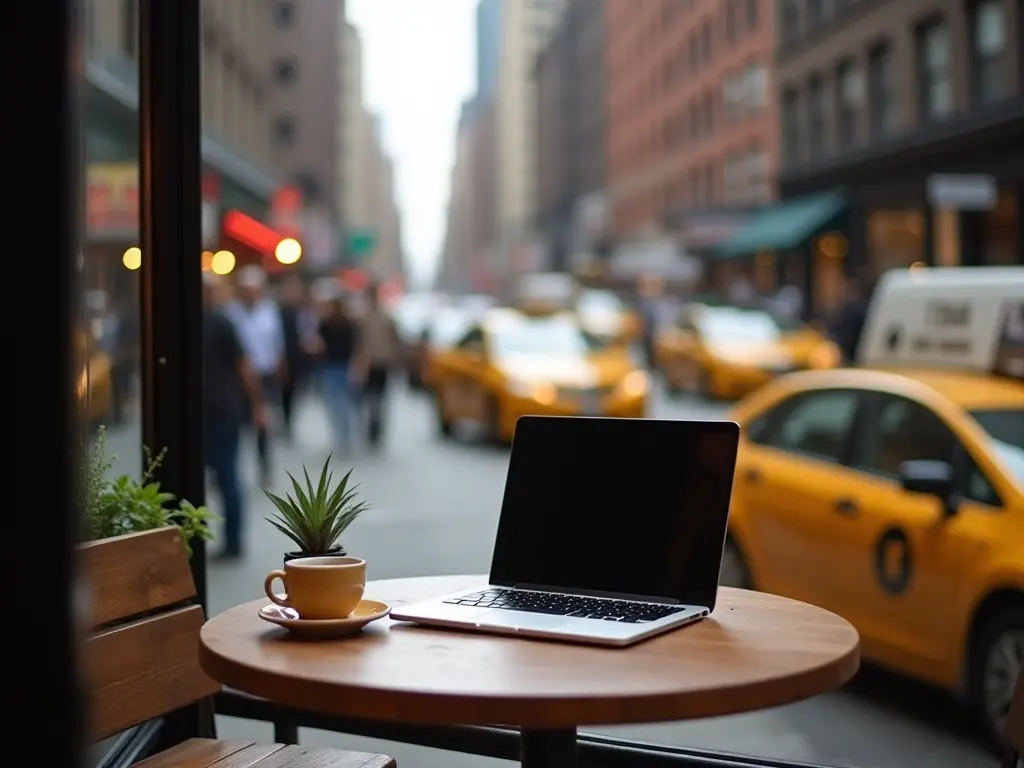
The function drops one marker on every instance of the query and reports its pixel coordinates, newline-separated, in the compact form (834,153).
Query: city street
(435,507)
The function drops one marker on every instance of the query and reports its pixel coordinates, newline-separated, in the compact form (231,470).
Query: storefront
(950,195)
(229,183)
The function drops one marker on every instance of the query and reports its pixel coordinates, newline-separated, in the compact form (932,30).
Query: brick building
(901,126)
(692,127)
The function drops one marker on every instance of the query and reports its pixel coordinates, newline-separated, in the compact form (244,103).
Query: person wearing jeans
(228,384)
(339,338)
(379,352)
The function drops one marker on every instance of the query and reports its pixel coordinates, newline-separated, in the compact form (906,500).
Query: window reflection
(109,326)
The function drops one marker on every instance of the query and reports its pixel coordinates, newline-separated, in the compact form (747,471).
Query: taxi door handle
(847,507)
(753,476)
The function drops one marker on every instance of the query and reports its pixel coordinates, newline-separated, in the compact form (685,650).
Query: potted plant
(317,515)
(114,507)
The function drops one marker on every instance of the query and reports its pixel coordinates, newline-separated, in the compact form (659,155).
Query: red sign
(112,201)
(286,211)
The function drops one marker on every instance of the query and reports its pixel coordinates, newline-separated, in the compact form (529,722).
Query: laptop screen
(630,506)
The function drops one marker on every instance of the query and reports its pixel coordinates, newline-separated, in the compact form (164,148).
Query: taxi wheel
(493,425)
(734,572)
(997,659)
(444,427)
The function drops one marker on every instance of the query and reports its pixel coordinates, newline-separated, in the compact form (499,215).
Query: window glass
(908,431)
(817,424)
(108,333)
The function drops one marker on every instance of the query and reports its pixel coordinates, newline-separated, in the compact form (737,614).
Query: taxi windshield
(557,338)
(600,302)
(1006,429)
(728,325)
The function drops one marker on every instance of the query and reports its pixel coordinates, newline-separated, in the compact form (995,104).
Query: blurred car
(509,364)
(727,351)
(444,329)
(605,316)
(893,493)
(93,386)
(545,293)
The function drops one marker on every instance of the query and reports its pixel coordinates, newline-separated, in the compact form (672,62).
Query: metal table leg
(547,749)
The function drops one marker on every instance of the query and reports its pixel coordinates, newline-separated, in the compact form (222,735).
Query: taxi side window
(473,341)
(815,423)
(902,430)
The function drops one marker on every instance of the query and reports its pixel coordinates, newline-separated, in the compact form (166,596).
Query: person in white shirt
(258,322)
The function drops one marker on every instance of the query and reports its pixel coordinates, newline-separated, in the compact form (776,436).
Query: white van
(968,318)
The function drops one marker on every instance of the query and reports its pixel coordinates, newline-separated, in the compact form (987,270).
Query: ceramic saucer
(365,612)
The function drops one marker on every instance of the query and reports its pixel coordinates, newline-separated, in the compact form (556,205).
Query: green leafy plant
(122,505)
(316,516)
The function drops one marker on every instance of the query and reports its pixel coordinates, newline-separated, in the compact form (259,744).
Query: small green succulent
(317,515)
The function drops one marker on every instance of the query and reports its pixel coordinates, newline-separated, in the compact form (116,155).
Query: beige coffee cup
(320,588)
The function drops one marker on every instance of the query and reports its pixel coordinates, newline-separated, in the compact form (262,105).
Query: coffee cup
(320,588)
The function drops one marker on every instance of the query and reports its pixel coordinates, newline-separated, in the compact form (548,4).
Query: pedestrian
(378,351)
(229,384)
(295,312)
(339,337)
(258,322)
(849,324)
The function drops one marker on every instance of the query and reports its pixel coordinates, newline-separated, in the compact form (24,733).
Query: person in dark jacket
(849,325)
(294,307)
(339,336)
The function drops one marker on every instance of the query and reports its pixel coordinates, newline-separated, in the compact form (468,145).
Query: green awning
(784,226)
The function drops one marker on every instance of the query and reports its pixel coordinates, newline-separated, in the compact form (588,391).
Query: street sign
(360,242)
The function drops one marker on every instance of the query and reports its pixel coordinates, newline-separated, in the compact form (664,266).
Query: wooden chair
(1015,727)
(141,659)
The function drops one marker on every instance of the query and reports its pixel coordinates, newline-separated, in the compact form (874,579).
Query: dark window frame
(847,113)
(765,428)
(963,463)
(817,115)
(283,130)
(791,126)
(985,66)
(929,78)
(879,90)
(284,14)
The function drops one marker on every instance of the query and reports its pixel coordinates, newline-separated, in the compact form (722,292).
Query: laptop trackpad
(516,619)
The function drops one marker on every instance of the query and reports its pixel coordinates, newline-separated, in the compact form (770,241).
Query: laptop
(611,531)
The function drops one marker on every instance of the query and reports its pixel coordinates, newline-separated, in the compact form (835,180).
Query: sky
(418,67)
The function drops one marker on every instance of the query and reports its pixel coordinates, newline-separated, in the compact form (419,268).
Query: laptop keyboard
(552,604)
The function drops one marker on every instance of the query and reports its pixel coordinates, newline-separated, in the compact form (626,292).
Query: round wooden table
(755,651)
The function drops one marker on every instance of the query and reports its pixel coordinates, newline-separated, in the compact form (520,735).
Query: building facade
(488,45)
(901,125)
(692,124)
(570,123)
(455,274)
(525,28)
(367,175)
(238,173)
(305,51)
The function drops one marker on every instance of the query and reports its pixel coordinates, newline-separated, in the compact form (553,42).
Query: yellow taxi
(509,364)
(605,316)
(92,387)
(893,494)
(727,352)
(444,329)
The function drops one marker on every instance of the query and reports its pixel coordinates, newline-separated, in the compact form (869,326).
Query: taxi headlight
(540,392)
(635,384)
(824,355)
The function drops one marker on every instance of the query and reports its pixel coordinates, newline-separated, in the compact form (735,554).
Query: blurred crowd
(264,346)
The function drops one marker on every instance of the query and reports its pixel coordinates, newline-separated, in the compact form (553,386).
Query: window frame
(962,461)
(984,64)
(879,84)
(847,112)
(769,423)
(928,78)
(817,115)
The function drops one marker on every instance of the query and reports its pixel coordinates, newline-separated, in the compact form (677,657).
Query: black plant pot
(338,551)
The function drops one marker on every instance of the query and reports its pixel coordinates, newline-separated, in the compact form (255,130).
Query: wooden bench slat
(145,669)
(208,753)
(133,574)
(204,753)
(301,757)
